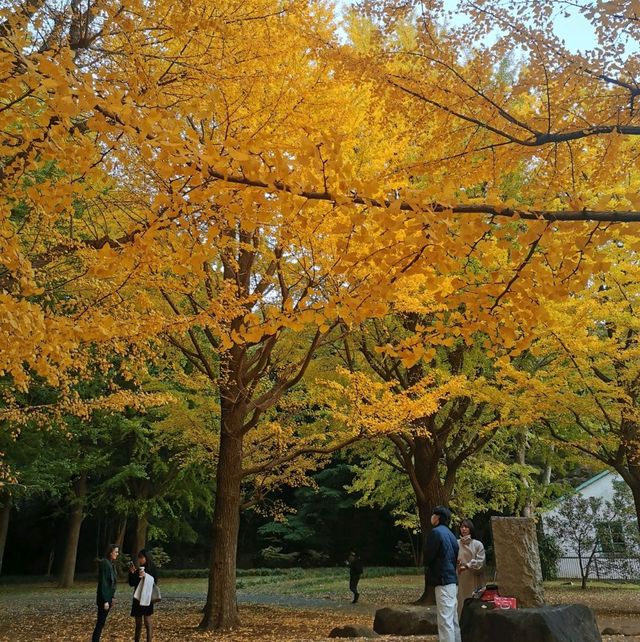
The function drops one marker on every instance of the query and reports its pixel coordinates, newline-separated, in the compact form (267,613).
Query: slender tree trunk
(221,610)
(526,510)
(141,490)
(545,479)
(587,568)
(5,512)
(73,535)
(52,555)
(142,527)
(119,541)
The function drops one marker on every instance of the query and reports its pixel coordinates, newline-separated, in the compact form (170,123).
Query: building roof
(592,480)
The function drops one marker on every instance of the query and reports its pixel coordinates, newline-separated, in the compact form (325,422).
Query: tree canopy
(242,185)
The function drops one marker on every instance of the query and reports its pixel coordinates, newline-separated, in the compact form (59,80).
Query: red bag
(489,593)
(504,602)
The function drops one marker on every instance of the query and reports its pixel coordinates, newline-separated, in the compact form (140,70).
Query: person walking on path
(440,560)
(355,572)
(471,560)
(144,577)
(107,580)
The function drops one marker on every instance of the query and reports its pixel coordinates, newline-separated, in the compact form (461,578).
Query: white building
(615,557)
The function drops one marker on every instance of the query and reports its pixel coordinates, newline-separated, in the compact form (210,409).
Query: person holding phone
(107,580)
(143,577)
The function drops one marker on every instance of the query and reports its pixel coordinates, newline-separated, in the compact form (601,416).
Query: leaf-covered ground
(301,609)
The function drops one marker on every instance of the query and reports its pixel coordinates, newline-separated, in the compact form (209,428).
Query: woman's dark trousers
(102,618)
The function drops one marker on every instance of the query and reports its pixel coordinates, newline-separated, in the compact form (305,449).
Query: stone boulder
(515,545)
(566,623)
(353,631)
(406,620)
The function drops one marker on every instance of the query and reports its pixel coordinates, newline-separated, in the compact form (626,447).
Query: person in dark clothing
(355,572)
(440,560)
(139,609)
(107,580)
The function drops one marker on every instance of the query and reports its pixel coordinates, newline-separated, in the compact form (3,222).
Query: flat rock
(406,620)
(629,631)
(566,623)
(353,631)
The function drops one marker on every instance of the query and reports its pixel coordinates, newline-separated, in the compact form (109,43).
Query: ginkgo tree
(442,407)
(587,395)
(219,273)
(418,379)
(234,181)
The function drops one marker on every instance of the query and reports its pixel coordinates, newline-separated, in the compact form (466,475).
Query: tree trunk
(141,490)
(526,510)
(428,596)
(221,610)
(635,491)
(5,511)
(431,493)
(631,475)
(140,540)
(119,541)
(52,555)
(73,535)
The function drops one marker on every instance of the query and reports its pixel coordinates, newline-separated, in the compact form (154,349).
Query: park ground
(300,606)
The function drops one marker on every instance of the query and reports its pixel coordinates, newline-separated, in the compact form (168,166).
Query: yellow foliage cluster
(373,408)
(584,387)
(239,172)
(150,152)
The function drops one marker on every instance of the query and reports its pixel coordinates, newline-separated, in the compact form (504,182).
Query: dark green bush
(550,553)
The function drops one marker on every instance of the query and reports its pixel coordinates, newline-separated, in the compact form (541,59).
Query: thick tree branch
(310,450)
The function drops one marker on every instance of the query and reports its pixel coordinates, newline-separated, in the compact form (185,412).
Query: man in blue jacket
(440,560)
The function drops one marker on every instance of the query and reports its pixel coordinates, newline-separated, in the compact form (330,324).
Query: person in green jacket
(107,580)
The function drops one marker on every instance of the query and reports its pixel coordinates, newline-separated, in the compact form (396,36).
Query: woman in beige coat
(471,558)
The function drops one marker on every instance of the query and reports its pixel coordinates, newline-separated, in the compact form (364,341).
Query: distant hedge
(195,573)
(295,572)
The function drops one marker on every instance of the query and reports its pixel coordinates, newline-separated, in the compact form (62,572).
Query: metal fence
(602,568)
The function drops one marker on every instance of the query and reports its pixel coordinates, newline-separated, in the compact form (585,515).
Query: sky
(576,32)
(570,26)
(574,29)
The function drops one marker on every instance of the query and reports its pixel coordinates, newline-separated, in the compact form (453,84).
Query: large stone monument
(518,560)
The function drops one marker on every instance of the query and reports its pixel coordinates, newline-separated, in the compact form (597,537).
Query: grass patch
(600,585)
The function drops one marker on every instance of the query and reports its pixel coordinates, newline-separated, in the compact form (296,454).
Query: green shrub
(253,576)
(550,553)
(160,558)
